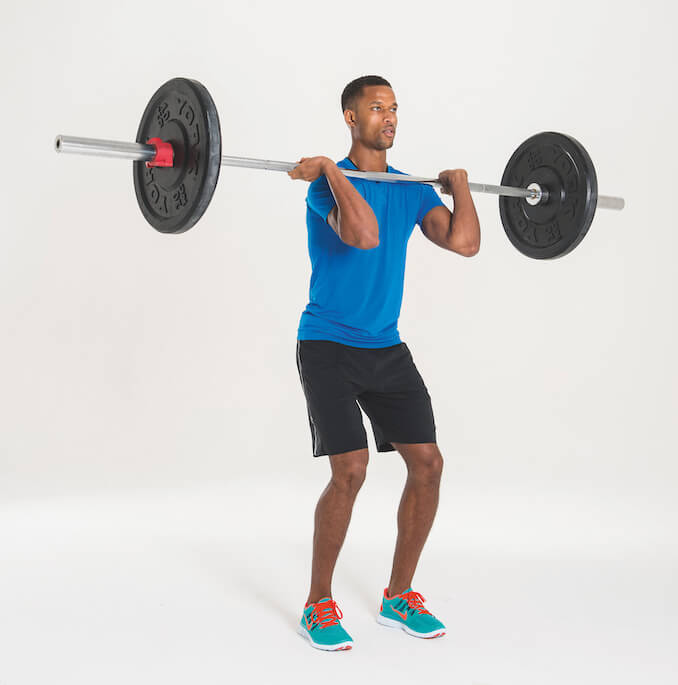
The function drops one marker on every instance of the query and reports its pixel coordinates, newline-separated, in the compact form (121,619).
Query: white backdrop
(136,364)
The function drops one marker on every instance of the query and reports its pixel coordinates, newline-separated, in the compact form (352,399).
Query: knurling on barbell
(547,198)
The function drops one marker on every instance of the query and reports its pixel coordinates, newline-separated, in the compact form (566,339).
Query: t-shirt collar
(348,159)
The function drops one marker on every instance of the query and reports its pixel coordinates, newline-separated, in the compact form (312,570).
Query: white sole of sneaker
(340,646)
(391,623)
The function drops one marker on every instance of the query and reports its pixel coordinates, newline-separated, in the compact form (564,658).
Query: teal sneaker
(320,625)
(407,611)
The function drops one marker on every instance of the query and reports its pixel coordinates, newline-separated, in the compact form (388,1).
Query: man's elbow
(464,239)
(364,240)
(469,250)
(368,244)
(463,248)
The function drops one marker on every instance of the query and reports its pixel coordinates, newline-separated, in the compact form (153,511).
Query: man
(349,351)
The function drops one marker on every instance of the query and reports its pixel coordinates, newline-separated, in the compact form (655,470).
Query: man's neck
(368,160)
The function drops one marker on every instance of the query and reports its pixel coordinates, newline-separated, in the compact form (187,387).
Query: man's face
(377,117)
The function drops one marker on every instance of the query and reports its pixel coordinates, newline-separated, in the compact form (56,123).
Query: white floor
(206,586)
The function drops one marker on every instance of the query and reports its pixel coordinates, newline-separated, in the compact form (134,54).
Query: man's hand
(453,180)
(310,168)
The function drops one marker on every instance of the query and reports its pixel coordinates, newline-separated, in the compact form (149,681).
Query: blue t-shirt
(355,295)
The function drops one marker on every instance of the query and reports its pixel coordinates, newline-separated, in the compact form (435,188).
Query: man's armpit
(332,219)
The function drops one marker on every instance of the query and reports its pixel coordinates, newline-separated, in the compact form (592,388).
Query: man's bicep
(436,224)
(428,199)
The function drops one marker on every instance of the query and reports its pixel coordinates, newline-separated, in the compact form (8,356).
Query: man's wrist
(327,165)
(460,186)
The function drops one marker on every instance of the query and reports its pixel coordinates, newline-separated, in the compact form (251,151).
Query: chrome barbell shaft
(140,152)
(137,152)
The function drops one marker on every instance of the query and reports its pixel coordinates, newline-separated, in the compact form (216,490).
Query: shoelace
(415,601)
(326,614)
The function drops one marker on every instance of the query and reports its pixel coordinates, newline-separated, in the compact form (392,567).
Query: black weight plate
(181,112)
(562,167)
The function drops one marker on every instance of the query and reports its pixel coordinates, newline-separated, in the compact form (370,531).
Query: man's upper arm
(433,216)
(428,199)
(436,225)
(321,200)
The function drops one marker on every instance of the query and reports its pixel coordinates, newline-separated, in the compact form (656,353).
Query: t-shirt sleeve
(320,198)
(429,200)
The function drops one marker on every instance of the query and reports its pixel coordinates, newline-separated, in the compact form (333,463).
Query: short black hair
(355,89)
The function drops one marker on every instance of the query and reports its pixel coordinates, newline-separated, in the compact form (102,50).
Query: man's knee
(424,460)
(349,469)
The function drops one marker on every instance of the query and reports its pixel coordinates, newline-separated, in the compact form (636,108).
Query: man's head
(370,111)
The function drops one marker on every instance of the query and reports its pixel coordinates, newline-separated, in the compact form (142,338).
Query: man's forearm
(358,225)
(464,225)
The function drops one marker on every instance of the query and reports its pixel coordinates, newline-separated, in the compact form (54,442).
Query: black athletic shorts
(384,381)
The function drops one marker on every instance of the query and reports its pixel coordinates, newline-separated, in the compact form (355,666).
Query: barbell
(547,197)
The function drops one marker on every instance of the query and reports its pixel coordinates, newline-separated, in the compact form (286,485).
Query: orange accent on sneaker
(325,614)
(414,601)
(400,613)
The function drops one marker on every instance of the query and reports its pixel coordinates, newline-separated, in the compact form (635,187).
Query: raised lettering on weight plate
(569,208)
(542,236)
(195,161)
(534,159)
(516,213)
(163,114)
(530,234)
(564,162)
(553,233)
(180,198)
(187,111)
(158,199)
